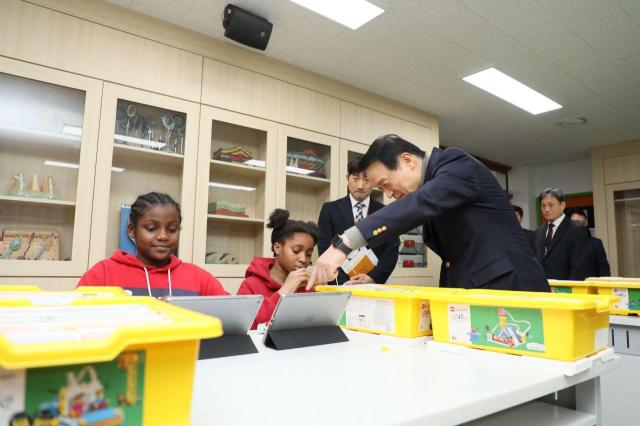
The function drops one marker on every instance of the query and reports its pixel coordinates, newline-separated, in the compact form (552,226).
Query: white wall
(525,183)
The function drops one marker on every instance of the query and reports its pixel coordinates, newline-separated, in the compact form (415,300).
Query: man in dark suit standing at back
(561,243)
(465,215)
(336,216)
(596,261)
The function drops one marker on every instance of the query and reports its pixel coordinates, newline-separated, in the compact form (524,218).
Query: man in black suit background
(465,214)
(531,235)
(336,216)
(596,261)
(561,243)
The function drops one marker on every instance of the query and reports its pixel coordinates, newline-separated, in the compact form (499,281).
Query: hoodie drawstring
(146,274)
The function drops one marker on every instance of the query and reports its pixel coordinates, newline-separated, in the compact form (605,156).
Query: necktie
(547,240)
(359,215)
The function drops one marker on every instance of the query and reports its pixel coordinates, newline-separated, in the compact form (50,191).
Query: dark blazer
(468,221)
(565,258)
(337,216)
(596,261)
(531,238)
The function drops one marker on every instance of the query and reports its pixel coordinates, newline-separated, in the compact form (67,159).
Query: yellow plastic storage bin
(107,361)
(394,310)
(563,327)
(628,290)
(33,295)
(572,287)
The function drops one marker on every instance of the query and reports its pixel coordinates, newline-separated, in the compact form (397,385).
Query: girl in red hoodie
(292,243)
(154,227)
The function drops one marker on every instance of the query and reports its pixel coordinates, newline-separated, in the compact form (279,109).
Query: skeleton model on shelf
(180,128)
(131,113)
(169,124)
(147,128)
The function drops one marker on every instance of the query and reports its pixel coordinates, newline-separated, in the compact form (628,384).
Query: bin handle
(604,304)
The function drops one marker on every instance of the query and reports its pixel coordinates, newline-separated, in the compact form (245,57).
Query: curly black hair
(283,227)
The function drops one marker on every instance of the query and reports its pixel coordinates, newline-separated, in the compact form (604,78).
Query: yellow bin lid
(385,291)
(570,283)
(614,282)
(526,299)
(20,295)
(95,331)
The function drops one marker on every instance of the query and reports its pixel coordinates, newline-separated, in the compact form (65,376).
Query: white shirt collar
(365,202)
(558,221)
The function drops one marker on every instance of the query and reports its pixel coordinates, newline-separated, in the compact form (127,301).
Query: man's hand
(361,279)
(326,268)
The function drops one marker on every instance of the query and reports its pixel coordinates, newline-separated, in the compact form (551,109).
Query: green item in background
(555,289)
(89,393)
(507,328)
(634,298)
(343,319)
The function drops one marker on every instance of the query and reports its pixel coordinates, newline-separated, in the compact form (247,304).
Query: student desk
(375,380)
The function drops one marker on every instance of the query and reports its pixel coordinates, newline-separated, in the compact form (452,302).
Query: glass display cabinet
(48,134)
(236,190)
(148,142)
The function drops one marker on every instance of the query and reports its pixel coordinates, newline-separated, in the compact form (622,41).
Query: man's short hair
(353,166)
(572,210)
(518,210)
(386,150)
(554,192)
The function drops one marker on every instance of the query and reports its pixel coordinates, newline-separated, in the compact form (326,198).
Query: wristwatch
(340,245)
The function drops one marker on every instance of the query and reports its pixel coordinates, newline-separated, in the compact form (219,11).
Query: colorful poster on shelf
(125,242)
(108,393)
(497,327)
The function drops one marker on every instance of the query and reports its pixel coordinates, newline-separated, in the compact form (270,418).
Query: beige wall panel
(364,125)
(35,34)
(620,169)
(110,15)
(236,89)
(45,283)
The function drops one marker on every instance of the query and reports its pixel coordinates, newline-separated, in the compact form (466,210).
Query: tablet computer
(236,312)
(307,319)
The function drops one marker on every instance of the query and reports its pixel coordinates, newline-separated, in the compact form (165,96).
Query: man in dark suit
(596,261)
(561,243)
(465,214)
(336,216)
(531,235)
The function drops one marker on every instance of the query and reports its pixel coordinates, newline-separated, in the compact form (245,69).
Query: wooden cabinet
(148,142)
(235,190)
(48,134)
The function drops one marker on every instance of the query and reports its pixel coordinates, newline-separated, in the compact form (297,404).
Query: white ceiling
(584,54)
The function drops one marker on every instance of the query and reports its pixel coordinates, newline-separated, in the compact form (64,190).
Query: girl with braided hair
(154,227)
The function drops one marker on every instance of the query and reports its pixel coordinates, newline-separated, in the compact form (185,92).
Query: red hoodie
(175,278)
(258,281)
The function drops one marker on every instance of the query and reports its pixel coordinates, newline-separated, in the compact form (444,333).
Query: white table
(374,381)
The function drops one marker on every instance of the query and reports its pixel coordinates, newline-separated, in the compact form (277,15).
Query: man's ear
(407,160)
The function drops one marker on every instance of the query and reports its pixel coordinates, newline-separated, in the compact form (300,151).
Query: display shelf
(48,130)
(307,180)
(237,168)
(235,218)
(44,201)
(144,155)
(227,140)
(127,168)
